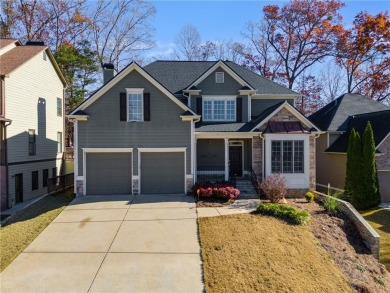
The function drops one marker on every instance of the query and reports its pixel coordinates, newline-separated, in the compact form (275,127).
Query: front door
(235,160)
(18,188)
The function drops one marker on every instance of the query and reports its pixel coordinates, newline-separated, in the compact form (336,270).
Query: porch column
(226,159)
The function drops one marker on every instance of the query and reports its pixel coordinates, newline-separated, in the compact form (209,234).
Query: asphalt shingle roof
(6,42)
(11,60)
(333,117)
(359,122)
(178,75)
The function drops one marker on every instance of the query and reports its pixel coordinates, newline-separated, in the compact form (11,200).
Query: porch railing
(255,182)
(59,183)
(211,174)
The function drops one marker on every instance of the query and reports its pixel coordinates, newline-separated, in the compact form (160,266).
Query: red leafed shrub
(221,191)
(274,187)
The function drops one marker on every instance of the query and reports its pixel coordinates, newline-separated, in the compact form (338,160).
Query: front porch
(227,159)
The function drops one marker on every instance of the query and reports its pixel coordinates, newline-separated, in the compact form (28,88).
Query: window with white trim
(287,156)
(135,104)
(219,77)
(219,109)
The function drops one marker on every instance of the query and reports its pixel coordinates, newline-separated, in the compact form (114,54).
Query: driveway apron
(144,243)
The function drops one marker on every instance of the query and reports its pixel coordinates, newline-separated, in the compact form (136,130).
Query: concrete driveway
(146,243)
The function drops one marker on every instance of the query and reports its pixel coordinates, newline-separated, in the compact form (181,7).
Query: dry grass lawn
(379,219)
(253,253)
(24,227)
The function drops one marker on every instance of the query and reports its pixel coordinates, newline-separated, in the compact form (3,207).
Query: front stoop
(246,189)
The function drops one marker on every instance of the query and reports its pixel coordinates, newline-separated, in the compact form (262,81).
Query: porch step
(246,189)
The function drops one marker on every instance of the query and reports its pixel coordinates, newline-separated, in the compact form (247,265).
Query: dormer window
(219,108)
(219,77)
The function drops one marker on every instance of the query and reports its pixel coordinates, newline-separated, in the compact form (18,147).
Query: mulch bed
(339,237)
(213,202)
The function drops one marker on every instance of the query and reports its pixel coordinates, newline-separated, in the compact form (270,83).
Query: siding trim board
(100,150)
(33,161)
(132,66)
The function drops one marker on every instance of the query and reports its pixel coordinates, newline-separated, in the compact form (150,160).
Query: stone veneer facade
(286,115)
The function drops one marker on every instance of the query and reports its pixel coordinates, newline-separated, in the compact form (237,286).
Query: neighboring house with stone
(337,120)
(31,120)
(163,127)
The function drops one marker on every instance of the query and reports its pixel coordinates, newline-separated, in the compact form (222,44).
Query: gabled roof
(125,71)
(179,75)
(260,83)
(13,59)
(333,117)
(380,122)
(268,113)
(6,42)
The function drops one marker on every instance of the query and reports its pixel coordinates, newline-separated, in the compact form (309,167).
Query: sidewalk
(240,206)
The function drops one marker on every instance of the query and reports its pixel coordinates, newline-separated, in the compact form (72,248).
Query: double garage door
(111,173)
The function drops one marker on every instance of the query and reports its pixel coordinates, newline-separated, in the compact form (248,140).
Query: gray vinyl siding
(162,173)
(26,170)
(108,173)
(104,130)
(259,105)
(210,87)
(210,153)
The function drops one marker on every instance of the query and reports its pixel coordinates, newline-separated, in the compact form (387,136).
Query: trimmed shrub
(274,187)
(309,196)
(331,204)
(218,190)
(284,212)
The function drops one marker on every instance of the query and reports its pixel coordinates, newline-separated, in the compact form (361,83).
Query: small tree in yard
(361,183)
(350,172)
(370,188)
(274,187)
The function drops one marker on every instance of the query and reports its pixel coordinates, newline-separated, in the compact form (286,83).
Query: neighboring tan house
(337,119)
(32,120)
(163,127)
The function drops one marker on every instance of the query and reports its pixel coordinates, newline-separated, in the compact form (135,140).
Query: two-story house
(32,120)
(163,127)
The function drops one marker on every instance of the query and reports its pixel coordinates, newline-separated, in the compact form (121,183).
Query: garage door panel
(108,173)
(162,173)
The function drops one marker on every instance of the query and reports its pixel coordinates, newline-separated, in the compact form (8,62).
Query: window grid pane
(287,156)
(276,157)
(230,110)
(298,156)
(135,107)
(219,110)
(208,114)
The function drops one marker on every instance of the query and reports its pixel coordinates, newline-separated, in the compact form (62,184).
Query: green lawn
(26,226)
(379,219)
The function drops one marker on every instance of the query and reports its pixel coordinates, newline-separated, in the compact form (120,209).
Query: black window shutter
(199,105)
(122,107)
(239,110)
(146,106)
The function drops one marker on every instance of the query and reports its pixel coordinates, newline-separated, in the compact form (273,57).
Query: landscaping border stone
(370,237)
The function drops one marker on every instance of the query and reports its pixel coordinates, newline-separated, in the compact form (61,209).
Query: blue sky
(224,20)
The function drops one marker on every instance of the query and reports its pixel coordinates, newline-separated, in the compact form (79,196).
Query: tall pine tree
(370,190)
(356,174)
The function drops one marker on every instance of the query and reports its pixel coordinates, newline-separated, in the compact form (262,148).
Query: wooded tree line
(302,44)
